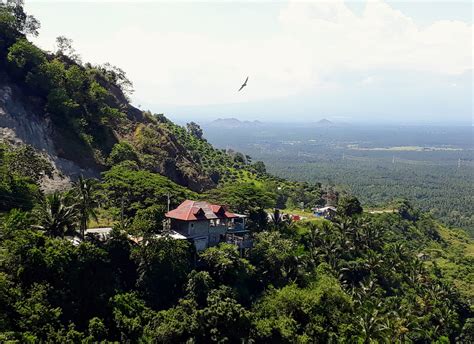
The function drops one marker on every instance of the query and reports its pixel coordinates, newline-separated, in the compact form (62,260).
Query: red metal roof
(199,210)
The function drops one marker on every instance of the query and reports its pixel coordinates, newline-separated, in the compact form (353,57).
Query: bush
(122,151)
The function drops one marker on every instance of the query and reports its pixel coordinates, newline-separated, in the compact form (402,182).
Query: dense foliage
(377,163)
(363,278)
(21,168)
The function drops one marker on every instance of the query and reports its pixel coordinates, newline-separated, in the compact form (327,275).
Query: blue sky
(380,61)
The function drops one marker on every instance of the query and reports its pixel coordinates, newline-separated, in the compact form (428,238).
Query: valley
(431,166)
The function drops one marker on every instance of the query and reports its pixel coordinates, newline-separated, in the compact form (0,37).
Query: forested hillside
(359,278)
(83,116)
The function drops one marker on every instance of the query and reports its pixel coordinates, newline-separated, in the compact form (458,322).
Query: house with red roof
(207,224)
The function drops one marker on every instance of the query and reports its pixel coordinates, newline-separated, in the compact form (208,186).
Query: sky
(349,61)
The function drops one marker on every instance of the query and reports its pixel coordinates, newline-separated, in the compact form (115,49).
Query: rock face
(22,122)
(18,122)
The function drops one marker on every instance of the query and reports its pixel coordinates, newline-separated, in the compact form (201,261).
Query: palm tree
(372,323)
(280,222)
(55,216)
(84,189)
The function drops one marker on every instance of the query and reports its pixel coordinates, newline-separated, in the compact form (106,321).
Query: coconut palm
(279,221)
(86,203)
(371,326)
(55,216)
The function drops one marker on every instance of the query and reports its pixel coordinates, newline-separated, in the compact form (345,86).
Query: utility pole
(393,159)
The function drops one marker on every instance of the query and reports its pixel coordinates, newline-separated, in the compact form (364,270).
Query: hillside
(76,113)
(144,276)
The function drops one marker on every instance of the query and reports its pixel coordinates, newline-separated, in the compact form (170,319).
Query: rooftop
(199,210)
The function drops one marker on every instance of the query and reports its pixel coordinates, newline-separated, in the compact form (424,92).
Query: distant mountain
(324,122)
(233,123)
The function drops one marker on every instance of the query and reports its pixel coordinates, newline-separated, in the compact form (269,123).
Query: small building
(207,225)
(328,212)
(295,218)
(171,234)
(102,233)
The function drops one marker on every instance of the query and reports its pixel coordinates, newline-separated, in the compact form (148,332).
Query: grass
(104,219)
(455,257)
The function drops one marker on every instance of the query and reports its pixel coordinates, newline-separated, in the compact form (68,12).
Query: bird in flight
(244,84)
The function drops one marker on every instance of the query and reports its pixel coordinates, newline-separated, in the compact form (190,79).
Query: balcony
(241,240)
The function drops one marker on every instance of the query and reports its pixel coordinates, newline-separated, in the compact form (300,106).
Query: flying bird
(244,84)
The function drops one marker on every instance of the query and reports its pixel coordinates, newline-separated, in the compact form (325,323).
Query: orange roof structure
(199,210)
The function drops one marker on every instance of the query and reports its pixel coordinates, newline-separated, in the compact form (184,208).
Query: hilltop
(78,115)
(324,122)
(230,123)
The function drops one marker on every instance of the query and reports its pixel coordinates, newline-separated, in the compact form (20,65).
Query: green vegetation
(363,278)
(426,187)
(429,178)
(21,169)
(360,278)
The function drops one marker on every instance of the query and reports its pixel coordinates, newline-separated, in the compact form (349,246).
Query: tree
(123,185)
(86,204)
(194,129)
(149,221)
(279,222)
(275,258)
(163,266)
(23,57)
(239,158)
(349,206)
(130,315)
(26,162)
(199,284)
(406,210)
(226,267)
(259,167)
(65,48)
(122,151)
(319,313)
(37,316)
(14,18)
(174,325)
(224,319)
(16,191)
(117,76)
(56,216)
(97,331)
(243,197)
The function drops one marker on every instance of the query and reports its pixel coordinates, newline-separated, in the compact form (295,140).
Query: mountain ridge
(232,122)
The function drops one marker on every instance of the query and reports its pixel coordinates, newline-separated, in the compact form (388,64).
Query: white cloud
(370,80)
(314,42)
(380,38)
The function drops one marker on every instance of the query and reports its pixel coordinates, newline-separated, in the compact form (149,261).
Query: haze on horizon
(380,61)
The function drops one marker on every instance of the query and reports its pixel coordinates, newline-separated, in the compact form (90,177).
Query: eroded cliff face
(22,121)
